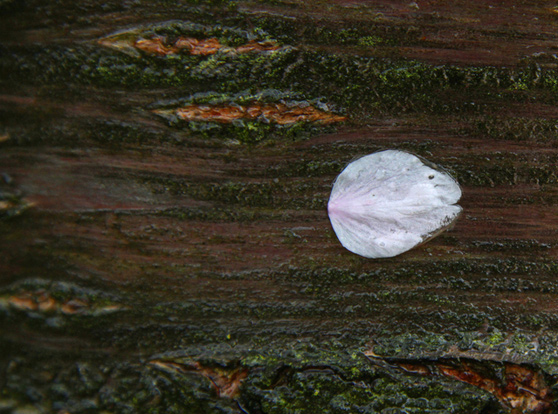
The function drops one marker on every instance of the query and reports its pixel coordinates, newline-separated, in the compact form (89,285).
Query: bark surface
(164,174)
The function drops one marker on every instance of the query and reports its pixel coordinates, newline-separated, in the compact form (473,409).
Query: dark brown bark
(164,235)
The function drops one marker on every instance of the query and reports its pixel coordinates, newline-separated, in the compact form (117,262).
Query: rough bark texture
(165,246)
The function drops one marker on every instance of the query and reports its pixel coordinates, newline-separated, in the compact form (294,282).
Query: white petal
(388,202)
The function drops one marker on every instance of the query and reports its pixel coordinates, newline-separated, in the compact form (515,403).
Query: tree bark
(163,224)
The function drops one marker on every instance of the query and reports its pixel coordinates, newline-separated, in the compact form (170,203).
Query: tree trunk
(165,241)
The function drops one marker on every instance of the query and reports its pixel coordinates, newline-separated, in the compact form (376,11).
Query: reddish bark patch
(256,46)
(156,46)
(198,46)
(74,306)
(5,205)
(275,113)
(161,46)
(43,302)
(226,382)
(521,389)
(518,388)
(14,207)
(23,302)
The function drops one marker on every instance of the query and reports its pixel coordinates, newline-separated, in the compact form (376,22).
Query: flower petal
(388,202)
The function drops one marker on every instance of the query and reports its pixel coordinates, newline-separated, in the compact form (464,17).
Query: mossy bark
(153,262)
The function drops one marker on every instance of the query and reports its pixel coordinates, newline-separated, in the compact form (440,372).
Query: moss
(369,41)
(515,346)
(353,83)
(306,31)
(251,132)
(330,376)
(350,384)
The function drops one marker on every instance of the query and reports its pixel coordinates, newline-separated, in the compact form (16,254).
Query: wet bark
(165,245)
